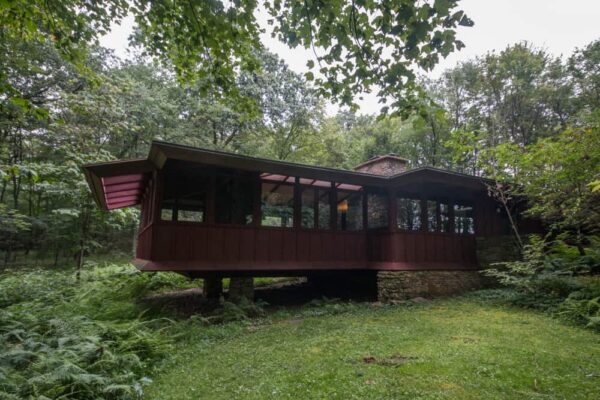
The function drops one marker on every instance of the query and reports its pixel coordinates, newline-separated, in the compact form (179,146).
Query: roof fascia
(161,151)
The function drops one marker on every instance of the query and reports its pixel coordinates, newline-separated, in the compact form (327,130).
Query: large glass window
(324,208)
(308,207)
(184,198)
(377,211)
(277,205)
(409,214)
(234,199)
(444,217)
(349,211)
(432,216)
(464,219)
(438,219)
(315,206)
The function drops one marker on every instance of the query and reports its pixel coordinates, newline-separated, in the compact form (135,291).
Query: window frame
(294,202)
(463,203)
(175,208)
(315,207)
(414,197)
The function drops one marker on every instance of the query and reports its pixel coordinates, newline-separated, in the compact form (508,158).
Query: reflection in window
(444,217)
(315,203)
(307,207)
(349,211)
(166,213)
(324,208)
(432,216)
(184,199)
(438,219)
(464,221)
(190,215)
(277,205)
(409,214)
(377,211)
(233,200)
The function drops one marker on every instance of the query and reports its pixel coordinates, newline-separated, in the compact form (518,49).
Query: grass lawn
(461,348)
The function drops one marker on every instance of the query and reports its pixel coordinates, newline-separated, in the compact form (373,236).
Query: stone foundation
(241,288)
(403,285)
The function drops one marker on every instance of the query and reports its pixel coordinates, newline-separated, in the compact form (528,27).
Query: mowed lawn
(458,348)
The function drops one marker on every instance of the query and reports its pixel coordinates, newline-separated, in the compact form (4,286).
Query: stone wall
(383,165)
(404,285)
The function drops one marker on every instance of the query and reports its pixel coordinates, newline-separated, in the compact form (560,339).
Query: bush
(549,278)
(60,338)
(583,307)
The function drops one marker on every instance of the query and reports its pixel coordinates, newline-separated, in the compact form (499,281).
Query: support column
(213,287)
(241,288)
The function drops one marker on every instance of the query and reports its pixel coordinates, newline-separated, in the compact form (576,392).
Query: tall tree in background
(362,44)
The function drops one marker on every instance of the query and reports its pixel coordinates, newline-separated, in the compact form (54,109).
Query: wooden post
(256,201)
(211,196)
(297,223)
(392,211)
(159,183)
(451,222)
(424,224)
(333,205)
(365,209)
(316,208)
(241,288)
(213,287)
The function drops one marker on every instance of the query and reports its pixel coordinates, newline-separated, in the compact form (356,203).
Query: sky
(558,26)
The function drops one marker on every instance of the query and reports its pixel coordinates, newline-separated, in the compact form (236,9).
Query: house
(210,214)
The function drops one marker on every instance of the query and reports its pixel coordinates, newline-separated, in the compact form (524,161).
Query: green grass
(463,348)
(100,338)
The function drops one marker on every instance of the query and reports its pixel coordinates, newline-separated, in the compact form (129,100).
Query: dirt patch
(395,360)
(465,339)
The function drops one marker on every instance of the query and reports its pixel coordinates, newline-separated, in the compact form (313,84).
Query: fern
(91,343)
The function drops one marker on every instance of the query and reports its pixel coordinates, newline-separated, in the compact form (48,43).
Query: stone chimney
(387,165)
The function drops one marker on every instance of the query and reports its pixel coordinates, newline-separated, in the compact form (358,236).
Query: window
(324,208)
(308,207)
(444,217)
(184,198)
(409,214)
(377,211)
(315,203)
(349,211)
(277,201)
(438,219)
(464,221)
(234,200)
(432,216)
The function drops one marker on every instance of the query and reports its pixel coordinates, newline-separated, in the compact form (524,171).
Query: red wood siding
(144,244)
(201,246)
(421,250)
(207,247)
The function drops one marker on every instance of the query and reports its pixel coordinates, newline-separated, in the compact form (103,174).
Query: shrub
(548,278)
(60,338)
(583,307)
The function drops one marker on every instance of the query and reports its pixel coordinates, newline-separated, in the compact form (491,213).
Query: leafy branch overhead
(358,44)
(362,44)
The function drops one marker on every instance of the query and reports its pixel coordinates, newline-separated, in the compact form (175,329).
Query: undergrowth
(553,277)
(87,339)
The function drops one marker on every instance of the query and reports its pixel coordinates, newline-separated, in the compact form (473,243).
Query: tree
(555,176)
(518,95)
(584,68)
(364,43)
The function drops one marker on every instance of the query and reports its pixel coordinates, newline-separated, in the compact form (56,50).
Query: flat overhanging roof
(118,184)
